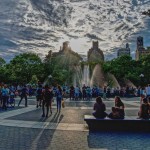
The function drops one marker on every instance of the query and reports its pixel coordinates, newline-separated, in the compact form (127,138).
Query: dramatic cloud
(42,25)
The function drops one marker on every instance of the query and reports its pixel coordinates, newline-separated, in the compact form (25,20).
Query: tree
(60,67)
(24,66)
(2,70)
(2,62)
(145,68)
(34,79)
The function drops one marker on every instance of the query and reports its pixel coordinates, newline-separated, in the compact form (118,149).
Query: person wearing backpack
(47,99)
(39,96)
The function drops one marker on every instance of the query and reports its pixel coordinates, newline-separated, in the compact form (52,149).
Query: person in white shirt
(147,89)
(77,92)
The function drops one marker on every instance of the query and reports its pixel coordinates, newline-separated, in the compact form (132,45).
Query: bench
(127,124)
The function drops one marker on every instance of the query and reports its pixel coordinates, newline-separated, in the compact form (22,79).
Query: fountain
(86,75)
(77,76)
(112,81)
(98,78)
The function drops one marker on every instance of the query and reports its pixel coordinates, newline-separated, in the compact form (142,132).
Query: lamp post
(49,78)
(141,78)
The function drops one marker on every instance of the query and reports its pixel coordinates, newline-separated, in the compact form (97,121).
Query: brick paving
(13,138)
(25,129)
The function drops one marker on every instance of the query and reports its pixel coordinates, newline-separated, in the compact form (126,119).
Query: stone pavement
(23,128)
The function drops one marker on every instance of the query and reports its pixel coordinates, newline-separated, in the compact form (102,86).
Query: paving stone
(49,139)
(22,138)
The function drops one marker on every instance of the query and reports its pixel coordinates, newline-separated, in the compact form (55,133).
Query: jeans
(23,96)
(4,101)
(45,103)
(59,103)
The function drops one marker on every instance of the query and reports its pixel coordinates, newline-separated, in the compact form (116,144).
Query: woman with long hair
(120,106)
(99,108)
(59,97)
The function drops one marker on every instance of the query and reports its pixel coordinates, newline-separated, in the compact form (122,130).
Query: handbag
(63,103)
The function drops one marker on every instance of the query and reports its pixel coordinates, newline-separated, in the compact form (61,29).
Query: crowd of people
(44,96)
(86,92)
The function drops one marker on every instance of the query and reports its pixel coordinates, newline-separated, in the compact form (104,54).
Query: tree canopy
(29,68)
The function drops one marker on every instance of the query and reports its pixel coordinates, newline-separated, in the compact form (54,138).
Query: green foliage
(2,62)
(28,68)
(34,79)
(126,68)
(61,68)
(23,67)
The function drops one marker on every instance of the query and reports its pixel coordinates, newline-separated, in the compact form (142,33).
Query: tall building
(124,51)
(141,51)
(95,53)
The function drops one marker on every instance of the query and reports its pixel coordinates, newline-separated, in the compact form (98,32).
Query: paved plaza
(23,128)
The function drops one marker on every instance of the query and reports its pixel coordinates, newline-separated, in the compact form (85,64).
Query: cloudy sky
(42,25)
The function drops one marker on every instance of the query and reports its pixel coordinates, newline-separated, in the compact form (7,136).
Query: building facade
(124,51)
(95,54)
(141,51)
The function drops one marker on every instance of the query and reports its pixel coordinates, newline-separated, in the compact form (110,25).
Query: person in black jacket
(24,92)
(47,99)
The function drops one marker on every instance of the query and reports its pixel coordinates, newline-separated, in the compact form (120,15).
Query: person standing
(104,92)
(72,91)
(77,92)
(47,99)
(24,92)
(59,97)
(39,95)
(5,96)
(84,92)
(147,89)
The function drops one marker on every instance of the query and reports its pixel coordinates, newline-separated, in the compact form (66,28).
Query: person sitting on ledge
(144,110)
(115,114)
(119,105)
(99,109)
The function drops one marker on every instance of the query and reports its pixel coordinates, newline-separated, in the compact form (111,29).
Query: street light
(49,79)
(50,76)
(141,78)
